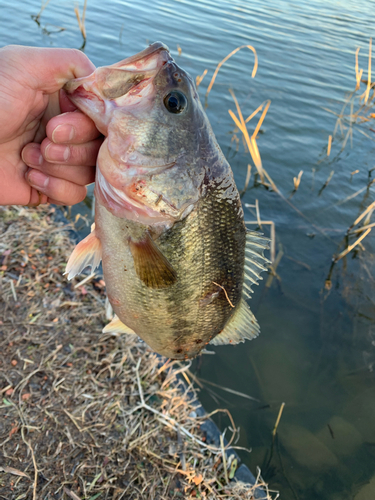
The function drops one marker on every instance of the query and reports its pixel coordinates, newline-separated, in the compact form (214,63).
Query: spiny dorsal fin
(88,252)
(117,326)
(240,327)
(254,258)
(150,264)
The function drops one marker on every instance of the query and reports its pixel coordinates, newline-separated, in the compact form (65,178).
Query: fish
(178,261)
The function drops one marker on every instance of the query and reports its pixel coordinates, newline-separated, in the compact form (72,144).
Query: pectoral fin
(150,264)
(88,252)
(117,326)
(240,327)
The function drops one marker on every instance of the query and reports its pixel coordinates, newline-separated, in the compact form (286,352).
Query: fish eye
(175,102)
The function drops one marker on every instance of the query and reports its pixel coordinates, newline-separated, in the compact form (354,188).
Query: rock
(346,438)
(305,448)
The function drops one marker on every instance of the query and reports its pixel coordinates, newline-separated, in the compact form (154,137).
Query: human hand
(60,149)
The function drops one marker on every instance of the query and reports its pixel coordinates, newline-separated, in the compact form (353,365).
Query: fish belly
(206,250)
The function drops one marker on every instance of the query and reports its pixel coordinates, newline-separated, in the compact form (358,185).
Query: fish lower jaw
(121,205)
(127,210)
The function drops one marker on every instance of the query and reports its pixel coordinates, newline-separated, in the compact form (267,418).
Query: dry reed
(326,182)
(297,180)
(360,105)
(199,78)
(43,6)
(278,420)
(353,245)
(365,229)
(81,21)
(329,145)
(253,73)
(250,141)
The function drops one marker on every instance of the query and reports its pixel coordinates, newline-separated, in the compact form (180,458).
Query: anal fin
(150,264)
(241,326)
(117,326)
(88,252)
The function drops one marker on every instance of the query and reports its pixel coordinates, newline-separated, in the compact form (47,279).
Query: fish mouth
(145,57)
(108,83)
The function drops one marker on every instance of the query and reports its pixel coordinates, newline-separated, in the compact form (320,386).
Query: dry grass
(253,73)
(363,231)
(297,180)
(81,21)
(239,120)
(360,106)
(329,145)
(360,233)
(250,141)
(42,7)
(86,415)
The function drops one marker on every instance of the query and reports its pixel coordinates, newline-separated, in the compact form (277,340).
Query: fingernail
(63,133)
(32,156)
(57,152)
(37,179)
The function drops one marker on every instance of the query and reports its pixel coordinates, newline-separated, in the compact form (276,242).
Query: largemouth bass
(178,262)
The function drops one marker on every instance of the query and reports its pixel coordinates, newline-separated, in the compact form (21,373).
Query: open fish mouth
(132,75)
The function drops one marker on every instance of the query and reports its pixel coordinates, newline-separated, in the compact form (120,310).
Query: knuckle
(83,154)
(67,192)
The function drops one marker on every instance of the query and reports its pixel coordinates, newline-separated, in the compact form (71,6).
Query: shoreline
(86,415)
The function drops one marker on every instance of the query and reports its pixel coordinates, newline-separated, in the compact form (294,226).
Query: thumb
(49,69)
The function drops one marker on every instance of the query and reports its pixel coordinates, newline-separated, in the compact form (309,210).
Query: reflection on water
(316,350)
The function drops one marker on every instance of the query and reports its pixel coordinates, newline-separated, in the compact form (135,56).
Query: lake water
(316,349)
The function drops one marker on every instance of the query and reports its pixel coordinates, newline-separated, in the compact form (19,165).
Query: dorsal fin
(88,252)
(117,326)
(150,264)
(254,259)
(240,327)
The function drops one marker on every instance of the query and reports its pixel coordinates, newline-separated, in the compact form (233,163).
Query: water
(316,349)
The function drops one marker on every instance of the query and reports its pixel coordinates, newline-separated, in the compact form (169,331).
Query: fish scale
(207,246)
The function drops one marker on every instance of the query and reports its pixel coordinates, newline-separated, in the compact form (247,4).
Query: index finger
(71,128)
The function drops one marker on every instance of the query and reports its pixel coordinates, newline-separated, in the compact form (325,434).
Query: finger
(79,175)
(55,202)
(60,190)
(71,128)
(83,154)
(65,103)
(37,198)
(82,175)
